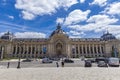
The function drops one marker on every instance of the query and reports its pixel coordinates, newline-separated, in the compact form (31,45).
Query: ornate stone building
(58,45)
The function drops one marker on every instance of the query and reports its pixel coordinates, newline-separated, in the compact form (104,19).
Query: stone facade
(58,45)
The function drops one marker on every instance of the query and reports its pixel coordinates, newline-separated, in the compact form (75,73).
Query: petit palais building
(58,45)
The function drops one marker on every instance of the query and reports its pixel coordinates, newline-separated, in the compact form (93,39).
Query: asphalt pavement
(38,63)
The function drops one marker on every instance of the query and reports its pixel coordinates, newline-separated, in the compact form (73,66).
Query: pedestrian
(57,64)
(62,63)
(8,64)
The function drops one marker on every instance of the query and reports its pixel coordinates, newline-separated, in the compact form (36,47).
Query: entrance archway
(59,50)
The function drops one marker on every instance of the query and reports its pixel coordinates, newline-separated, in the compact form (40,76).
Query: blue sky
(78,18)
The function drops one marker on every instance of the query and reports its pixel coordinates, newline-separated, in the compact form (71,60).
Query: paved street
(38,63)
(66,73)
(36,70)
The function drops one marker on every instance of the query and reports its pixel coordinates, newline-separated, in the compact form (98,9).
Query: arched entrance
(59,50)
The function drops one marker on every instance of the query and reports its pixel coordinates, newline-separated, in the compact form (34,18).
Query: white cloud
(66,3)
(2,33)
(97,26)
(60,20)
(27,15)
(30,35)
(113,9)
(102,19)
(76,33)
(87,27)
(32,8)
(98,23)
(82,1)
(114,29)
(11,17)
(71,36)
(99,2)
(76,16)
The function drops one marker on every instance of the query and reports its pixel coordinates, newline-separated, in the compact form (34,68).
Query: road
(38,63)
(66,73)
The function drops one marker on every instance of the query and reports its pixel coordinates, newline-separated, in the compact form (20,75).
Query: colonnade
(29,50)
(87,50)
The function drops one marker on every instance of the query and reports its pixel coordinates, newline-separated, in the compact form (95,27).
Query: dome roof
(108,36)
(58,31)
(7,35)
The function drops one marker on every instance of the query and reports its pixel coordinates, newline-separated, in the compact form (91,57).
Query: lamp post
(19,59)
(1,52)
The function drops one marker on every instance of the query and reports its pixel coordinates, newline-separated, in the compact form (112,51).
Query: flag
(44,50)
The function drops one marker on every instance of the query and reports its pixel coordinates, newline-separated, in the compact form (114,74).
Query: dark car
(68,61)
(101,59)
(92,60)
(88,63)
(55,59)
(27,60)
(102,64)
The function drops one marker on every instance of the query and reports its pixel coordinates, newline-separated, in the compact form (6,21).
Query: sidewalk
(71,73)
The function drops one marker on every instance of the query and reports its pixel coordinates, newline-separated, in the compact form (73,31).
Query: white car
(46,60)
(113,62)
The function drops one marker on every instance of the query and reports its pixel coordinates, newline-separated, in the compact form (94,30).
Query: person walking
(62,63)
(57,64)
(8,64)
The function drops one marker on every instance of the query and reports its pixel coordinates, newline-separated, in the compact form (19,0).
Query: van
(46,60)
(113,62)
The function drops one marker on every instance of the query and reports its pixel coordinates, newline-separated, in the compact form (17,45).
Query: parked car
(102,64)
(55,59)
(82,58)
(91,59)
(113,62)
(27,60)
(46,60)
(101,59)
(88,63)
(68,61)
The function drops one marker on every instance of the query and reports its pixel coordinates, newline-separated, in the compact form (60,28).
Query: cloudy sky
(78,18)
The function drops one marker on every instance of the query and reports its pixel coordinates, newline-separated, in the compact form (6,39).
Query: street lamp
(2,52)
(19,59)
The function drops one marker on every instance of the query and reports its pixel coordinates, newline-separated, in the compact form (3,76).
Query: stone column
(97,49)
(31,51)
(49,50)
(27,53)
(89,50)
(35,56)
(93,50)
(75,50)
(82,49)
(38,50)
(86,53)
(69,54)
(0,50)
(23,50)
(100,49)
(15,50)
(79,50)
